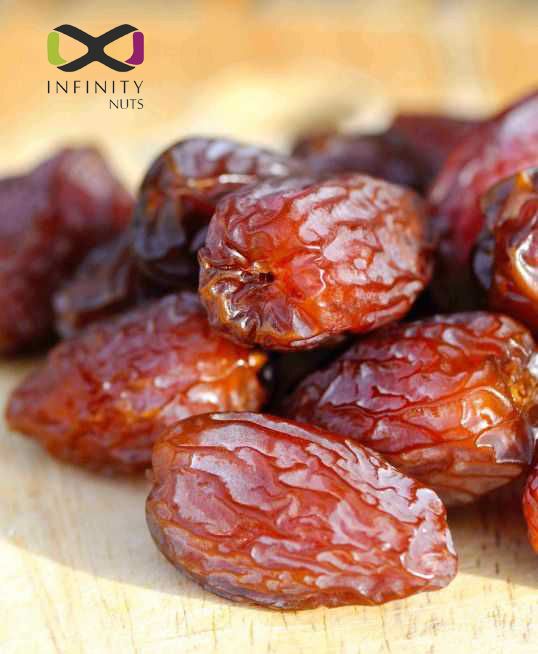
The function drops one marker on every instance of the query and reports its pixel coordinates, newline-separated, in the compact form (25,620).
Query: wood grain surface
(78,571)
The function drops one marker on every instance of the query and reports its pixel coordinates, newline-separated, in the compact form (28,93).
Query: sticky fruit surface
(449,401)
(178,198)
(263,510)
(494,150)
(107,282)
(102,397)
(506,258)
(295,263)
(530,507)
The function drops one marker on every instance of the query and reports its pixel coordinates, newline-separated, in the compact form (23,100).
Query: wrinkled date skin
(491,152)
(506,258)
(385,155)
(432,137)
(101,398)
(530,507)
(447,400)
(49,220)
(178,198)
(107,282)
(292,264)
(262,510)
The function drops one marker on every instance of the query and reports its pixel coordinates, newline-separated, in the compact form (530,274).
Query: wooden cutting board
(78,571)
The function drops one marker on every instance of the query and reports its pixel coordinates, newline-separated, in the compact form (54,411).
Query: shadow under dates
(97,525)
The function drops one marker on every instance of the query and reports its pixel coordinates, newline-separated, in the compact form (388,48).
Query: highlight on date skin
(266,511)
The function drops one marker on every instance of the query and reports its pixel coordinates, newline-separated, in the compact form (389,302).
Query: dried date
(179,194)
(49,219)
(449,400)
(432,137)
(506,258)
(263,510)
(492,151)
(107,282)
(295,263)
(530,507)
(385,155)
(102,397)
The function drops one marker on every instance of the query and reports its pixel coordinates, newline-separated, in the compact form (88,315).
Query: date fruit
(494,150)
(107,282)
(49,219)
(448,400)
(385,155)
(295,263)
(178,198)
(432,136)
(530,507)
(102,397)
(266,511)
(506,258)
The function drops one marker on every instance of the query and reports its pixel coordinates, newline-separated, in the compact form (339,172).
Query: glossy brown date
(292,264)
(432,137)
(506,258)
(102,397)
(179,194)
(107,282)
(49,220)
(492,151)
(265,511)
(530,507)
(448,401)
(385,155)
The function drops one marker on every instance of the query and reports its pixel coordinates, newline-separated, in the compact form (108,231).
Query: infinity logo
(96,48)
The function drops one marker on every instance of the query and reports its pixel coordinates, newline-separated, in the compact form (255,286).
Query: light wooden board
(78,571)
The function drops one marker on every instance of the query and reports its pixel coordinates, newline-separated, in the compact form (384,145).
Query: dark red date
(179,194)
(385,155)
(107,282)
(432,137)
(102,397)
(49,220)
(530,507)
(410,152)
(265,511)
(448,401)
(506,259)
(491,152)
(292,264)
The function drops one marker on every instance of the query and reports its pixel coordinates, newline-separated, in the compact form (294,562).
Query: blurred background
(260,70)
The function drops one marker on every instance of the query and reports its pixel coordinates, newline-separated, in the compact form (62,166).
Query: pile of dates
(312,353)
